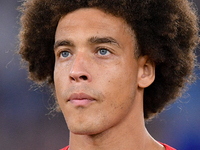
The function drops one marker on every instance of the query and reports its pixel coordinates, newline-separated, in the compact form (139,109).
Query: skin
(95,56)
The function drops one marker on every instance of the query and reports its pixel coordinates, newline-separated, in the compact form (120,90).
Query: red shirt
(167,147)
(66,148)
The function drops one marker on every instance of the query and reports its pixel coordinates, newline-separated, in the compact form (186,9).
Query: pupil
(103,51)
(65,54)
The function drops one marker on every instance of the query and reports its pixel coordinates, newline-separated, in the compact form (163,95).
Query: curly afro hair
(166,31)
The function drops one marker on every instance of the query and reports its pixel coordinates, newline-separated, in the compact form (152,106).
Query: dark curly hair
(166,31)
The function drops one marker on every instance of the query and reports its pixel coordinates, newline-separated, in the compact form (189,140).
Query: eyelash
(104,48)
(97,52)
(61,51)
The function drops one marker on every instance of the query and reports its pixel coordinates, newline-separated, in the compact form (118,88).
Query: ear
(146,71)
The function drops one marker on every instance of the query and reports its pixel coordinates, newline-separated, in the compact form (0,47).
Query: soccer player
(112,64)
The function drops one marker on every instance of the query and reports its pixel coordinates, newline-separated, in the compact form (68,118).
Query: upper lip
(80,96)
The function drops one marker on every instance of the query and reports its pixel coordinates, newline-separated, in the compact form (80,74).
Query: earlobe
(146,71)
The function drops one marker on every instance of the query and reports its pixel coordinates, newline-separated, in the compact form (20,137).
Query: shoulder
(165,145)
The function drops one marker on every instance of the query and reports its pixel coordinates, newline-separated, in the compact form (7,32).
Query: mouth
(80,99)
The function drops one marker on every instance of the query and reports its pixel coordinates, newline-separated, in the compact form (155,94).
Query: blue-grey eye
(65,54)
(103,52)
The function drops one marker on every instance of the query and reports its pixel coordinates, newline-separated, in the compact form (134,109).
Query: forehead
(93,19)
(90,14)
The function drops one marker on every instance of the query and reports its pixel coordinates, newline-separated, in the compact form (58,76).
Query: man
(112,64)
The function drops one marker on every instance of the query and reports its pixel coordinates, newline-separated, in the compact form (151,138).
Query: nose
(79,69)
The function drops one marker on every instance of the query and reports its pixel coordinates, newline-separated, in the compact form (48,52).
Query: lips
(80,99)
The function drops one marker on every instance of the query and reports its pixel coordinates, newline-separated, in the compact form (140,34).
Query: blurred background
(25,123)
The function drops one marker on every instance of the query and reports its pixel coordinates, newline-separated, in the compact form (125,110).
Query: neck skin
(129,134)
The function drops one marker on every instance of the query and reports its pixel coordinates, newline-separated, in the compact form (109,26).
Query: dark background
(24,120)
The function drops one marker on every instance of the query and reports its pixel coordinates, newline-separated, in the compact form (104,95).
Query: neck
(130,133)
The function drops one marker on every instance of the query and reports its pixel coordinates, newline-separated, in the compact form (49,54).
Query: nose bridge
(78,61)
(79,69)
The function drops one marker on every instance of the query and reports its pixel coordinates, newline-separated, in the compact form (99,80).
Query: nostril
(83,77)
(72,78)
(78,77)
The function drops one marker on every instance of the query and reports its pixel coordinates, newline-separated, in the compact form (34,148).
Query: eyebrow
(63,43)
(92,40)
(102,40)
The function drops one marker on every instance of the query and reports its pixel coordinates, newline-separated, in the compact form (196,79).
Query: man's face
(95,70)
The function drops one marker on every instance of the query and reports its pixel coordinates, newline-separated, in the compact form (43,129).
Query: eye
(103,52)
(65,54)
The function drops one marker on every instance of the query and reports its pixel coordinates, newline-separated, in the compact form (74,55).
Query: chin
(85,129)
(83,132)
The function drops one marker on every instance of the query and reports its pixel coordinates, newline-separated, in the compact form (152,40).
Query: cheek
(119,86)
(59,82)
(61,75)
(122,78)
